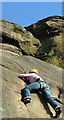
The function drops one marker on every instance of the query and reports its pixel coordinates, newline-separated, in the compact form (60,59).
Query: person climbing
(37,83)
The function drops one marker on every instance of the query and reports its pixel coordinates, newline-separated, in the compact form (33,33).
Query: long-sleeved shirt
(32,77)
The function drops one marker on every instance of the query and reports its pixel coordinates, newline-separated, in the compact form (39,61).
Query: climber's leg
(29,88)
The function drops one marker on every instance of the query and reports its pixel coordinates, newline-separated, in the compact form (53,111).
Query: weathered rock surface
(46,43)
(12,65)
(19,37)
(50,32)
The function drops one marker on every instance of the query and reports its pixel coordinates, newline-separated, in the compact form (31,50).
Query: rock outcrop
(50,32)
(12,65)
(43,39)
(19,37)
(16,46)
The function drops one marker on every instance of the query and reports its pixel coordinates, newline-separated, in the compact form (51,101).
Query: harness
(42,84)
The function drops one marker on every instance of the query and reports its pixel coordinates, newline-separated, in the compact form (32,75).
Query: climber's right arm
(24,75)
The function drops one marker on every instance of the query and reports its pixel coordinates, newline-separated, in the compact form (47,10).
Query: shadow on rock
(46,107)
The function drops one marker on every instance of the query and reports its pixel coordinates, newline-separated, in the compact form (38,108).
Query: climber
(37,83)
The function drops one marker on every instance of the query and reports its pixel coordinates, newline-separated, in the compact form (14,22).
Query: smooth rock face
(50,32)
(19,37)
(12,65)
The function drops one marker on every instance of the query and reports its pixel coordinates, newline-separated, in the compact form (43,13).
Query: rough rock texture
(19,37)
(46,43)
(50,32)
(12,65)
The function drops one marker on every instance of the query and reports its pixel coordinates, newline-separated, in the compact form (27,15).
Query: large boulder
(50,32)
(19,37)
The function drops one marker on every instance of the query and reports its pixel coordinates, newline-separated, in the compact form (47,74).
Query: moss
(54,48)
(55,61)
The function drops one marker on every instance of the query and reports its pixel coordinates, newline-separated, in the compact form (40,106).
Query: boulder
(19,37)
(50,32)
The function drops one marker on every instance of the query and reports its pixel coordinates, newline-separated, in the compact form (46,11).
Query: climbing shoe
(27,100)
(58,111)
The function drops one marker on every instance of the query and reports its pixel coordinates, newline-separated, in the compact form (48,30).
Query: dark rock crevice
(6,39)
